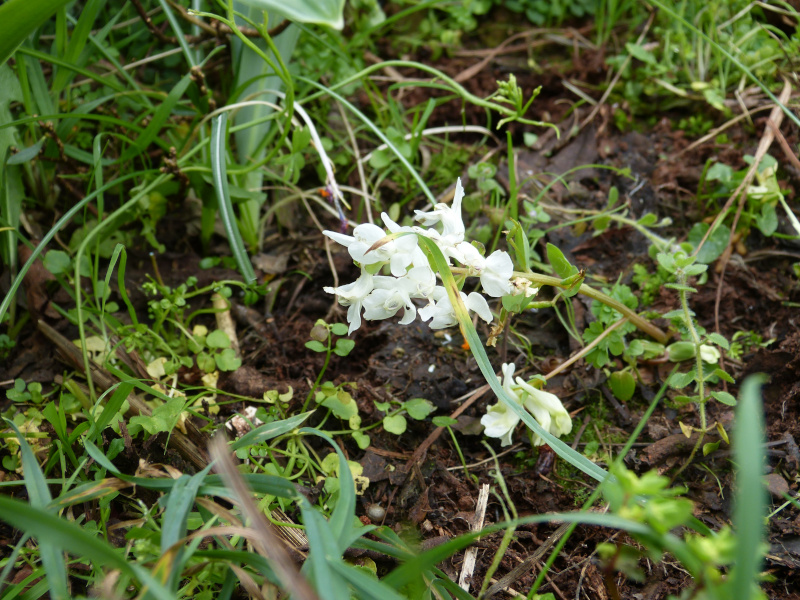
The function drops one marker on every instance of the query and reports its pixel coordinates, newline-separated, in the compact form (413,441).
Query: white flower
(495,271)
(353,295)
(444,315)
(450,217)
(496,276)
(388,297)
(545,407)
(500,422)
(398,253)
(709,354)
(420,282)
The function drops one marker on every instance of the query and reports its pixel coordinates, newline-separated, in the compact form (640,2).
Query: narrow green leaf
(179,503)
(323,553)
(559,262)
(19,18)
(39,495)
(750,501)
(72,538)
(271,430)
(341,521)
(366,587)
(220,171)
(154,128)
(77,42)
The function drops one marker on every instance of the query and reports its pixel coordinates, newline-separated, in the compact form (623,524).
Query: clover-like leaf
(218,339)
(419,408)
(395,424)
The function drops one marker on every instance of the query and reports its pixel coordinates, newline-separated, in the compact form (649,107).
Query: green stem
(319,377)
(640,322)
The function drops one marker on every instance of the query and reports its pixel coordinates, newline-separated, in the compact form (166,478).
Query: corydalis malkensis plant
(384,296)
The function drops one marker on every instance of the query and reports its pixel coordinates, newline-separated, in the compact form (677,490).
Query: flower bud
(680,351)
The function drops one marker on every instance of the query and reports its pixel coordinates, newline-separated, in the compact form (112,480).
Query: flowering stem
(699,377)
(321,373)
(640,322)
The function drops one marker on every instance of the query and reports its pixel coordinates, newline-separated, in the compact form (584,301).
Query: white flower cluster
(383,296)
(500,422)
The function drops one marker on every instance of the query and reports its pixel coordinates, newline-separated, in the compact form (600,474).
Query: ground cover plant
(466,299)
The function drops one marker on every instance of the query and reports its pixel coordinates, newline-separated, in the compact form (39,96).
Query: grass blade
(77,42)
(39,495)
(270,431)
(341,522)
(19,18)
(750,502)
(179,503)
(66,535)
(220,171)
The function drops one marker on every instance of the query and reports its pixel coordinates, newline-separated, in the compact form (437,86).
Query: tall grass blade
(77,42)
(341,521)
(19,18)
(750,501)
(219,170)
(69,536)
(179,503)
(39,496)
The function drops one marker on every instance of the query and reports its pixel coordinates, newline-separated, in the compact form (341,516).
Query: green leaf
(724,397)
(362,439)
(319,12)
(719,172)
(316,346)
(640,53)
(723,375)
(270,430)
(750,502)
(342,405)
(343,346)
(622,384)
(164,417)
(339,329)
(648,219)
(227,360)
(681,380)
(19,18)
(218,339)
(219,169)
(767,220)
(395,424)
(57,262)
(711,447)
(206,362)
(443,421)
(559,262)
(419,408)
(666,261)
(715,244)
(719,340)
(74,539)
(179,502)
